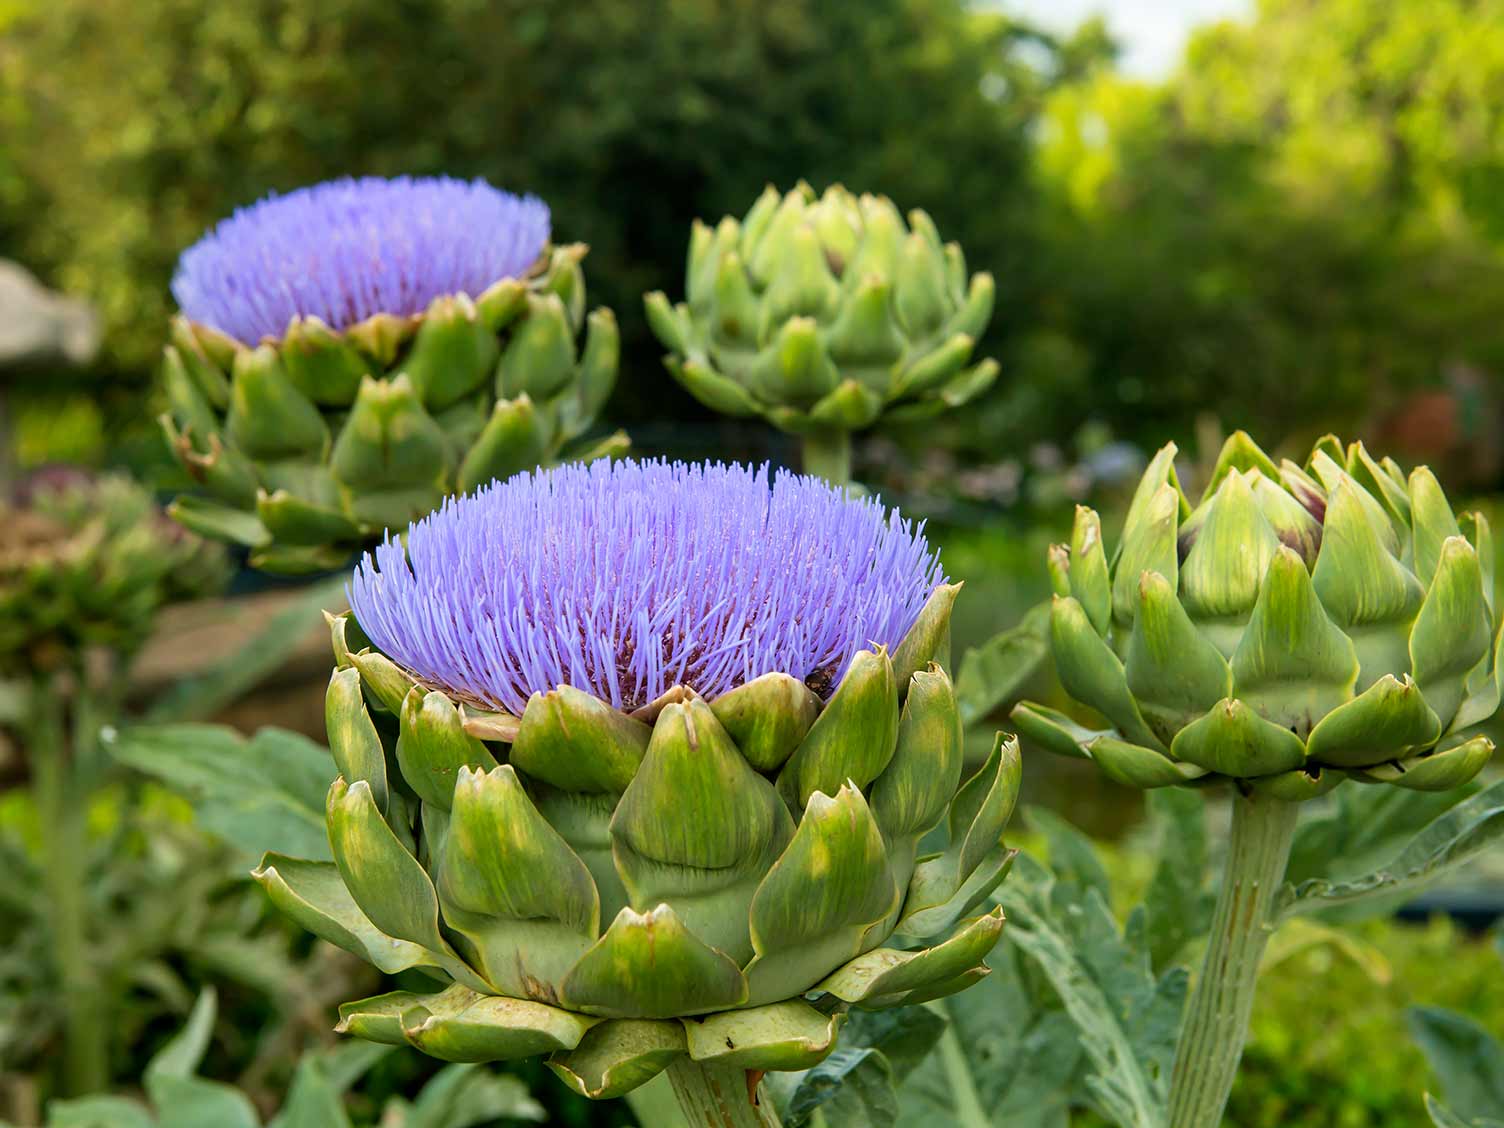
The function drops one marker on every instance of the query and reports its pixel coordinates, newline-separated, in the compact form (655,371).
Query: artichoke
(1299,626)
(637,789)
(823,314)
(349,355)
(87,561)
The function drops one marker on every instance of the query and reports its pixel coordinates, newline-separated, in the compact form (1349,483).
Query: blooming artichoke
(350,354)
(1298,626)
(822,314)
(86,561)
(645,784)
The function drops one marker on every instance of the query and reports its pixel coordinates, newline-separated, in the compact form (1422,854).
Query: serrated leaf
(998,669)
(1466,1058)
(1127,1020)
(265,793)
(1449,840)
(1010,1058)
(1178,903)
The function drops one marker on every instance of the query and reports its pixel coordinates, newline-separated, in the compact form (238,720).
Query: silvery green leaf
(1466,1059)
(265,793)
(462,1096)
(997,671)
(1178,904)
(1453,838)
(1126,1019)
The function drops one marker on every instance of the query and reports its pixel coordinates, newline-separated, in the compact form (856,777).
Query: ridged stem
(61,810)
(718,1096)
(827,454)
(1216,1025)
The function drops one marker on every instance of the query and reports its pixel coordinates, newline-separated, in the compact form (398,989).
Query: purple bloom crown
(625,579)
(346,250)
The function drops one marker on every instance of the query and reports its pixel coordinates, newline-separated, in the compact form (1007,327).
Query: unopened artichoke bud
(655,788)
(1298,626)
(827,312)
(87,561)
(349,355)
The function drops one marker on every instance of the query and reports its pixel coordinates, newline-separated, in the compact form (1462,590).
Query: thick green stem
(827,454)
(718,1096)
(62,811)
(1216,1025)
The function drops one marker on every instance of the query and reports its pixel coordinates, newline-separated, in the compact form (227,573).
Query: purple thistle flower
(625,579)
(348,249)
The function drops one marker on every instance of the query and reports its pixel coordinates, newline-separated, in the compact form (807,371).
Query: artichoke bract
(645,784)
(350,354)
(822,314)
(1301,625)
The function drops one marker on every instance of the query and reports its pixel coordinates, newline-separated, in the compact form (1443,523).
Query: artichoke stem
(61,810)
(1216,1025)
(720,1096)
(827,454)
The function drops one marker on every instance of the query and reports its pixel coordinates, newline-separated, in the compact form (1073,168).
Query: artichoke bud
(268,417)
(540,357)
(1322,622)
(322,364)
(578,743)
(515,438)
(452,353)
(390,454)
(433,747)
(853,737)
(767,717)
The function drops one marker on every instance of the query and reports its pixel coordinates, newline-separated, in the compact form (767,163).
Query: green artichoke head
(825,313)
(1297,626)
(309,446)
(87,561)
(720,878)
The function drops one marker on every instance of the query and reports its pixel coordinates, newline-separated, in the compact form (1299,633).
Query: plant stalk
(1216,1024)
(720,1096)
(827,454)
(62,808)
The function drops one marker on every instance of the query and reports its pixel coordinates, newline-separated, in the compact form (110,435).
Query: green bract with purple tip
(349,355)
(638,765)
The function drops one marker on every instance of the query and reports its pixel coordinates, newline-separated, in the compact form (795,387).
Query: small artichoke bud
(808,299)
(1300,625)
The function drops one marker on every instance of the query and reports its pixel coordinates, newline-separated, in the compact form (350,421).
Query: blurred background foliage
(1299,229)
(1302,228)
